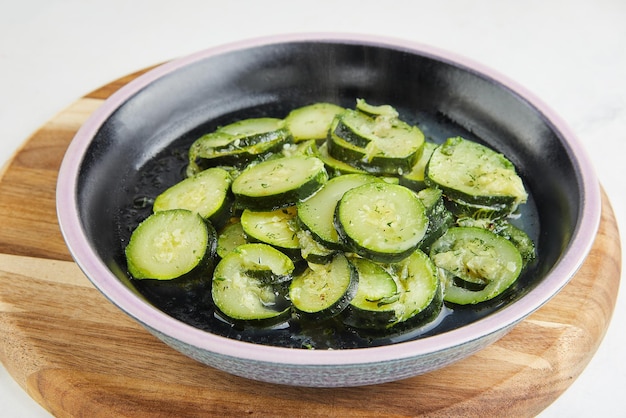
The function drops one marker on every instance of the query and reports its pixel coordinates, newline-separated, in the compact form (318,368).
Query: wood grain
(79,356)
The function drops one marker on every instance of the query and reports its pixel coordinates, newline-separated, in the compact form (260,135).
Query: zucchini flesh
(421,298)
(241,289)
(373,305)
(251,131)
(312,250)
(312,121)
(474,174)
(238,143)
(323,291)
(505,229)
(336,167)
(479,257)
(206,193)
(384,110)
(355,127)
(415,179)
(278,183)
(230,237)
(392,147)
(381,221)
(316,214)
(170,244)
(417,298)
(277,228)
(439,217)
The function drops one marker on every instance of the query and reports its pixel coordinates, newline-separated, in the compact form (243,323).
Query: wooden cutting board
(78,355)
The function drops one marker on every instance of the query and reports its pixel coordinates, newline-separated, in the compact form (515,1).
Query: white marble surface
(572,54)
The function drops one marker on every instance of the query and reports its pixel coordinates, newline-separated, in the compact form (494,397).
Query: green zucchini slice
(413,299)
(312,121)
(312,250)
(170,244)
(373,306)
(480,264)
(381,221)
(392,147)
(439,217)
(422,296)
(476,175)
(248,283)
(415,179)
(278,183)
(206,193)
(383,110)
(334,166)
(238,143)
(277,228)
(316,214)
(506,229)
(355,127)
(323,291)
(230,237)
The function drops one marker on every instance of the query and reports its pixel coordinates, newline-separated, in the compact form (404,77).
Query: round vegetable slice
(373,305)
(413,299)
(324,290)
(248,281)
(469,172)
(317,213)
(170,244)
(277,228)
(381,221)
(230,237)
(278,183)
(206,193)
(480,265)
(384,146)
(238,143)
(312,121)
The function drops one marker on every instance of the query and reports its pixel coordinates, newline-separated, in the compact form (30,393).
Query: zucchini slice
(316,214)
(323,291)
(381,221)
(170,244)
(506,229)
(415,179)
(374,139)
(206,193)
(373,306)
(312,250)
(480,264)
(278,183)
(334,166)
(312,121)
(422,296)
(476,175)
(238,143)
(392,148)
(277,228)
(355,127)
(248,283)
(230,237)
(439,217)
(253,130)
(384,110)
(414,298)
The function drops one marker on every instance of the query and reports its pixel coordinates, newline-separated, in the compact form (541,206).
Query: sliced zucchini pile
(334,214)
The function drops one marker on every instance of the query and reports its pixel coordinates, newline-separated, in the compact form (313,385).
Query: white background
(572,54)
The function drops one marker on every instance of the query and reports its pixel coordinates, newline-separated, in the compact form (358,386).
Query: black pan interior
(140,149)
